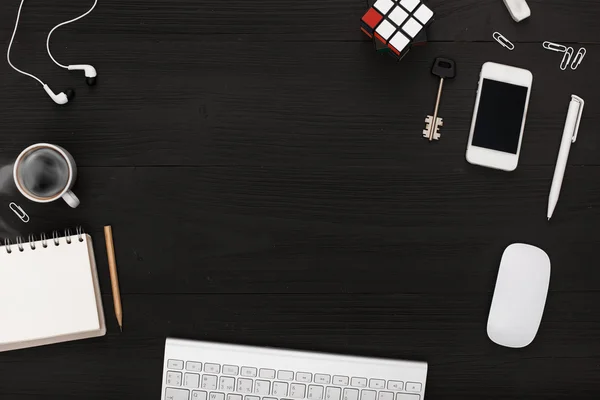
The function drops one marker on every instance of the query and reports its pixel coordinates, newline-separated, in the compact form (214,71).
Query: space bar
(177,394)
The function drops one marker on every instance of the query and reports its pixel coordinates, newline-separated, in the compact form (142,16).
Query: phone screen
(500,116)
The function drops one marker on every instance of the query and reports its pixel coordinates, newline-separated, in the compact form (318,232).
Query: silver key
(444,68)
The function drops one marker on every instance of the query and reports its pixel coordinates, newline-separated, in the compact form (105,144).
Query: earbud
(60,98)
(90,72)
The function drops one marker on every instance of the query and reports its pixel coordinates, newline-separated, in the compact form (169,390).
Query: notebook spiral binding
(20,244)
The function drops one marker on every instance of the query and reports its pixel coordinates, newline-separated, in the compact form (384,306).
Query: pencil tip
(121,328)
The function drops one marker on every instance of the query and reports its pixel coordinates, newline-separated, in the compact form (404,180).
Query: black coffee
(44,173)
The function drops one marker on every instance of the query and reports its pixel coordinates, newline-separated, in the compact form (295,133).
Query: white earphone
(62,97)
(90,72)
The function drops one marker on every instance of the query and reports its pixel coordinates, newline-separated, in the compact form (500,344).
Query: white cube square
(383,5)
(423,14)
(412,27)
(409,4)
(399,41)
(385,29)
(398,16)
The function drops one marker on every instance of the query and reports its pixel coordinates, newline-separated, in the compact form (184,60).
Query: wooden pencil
(114,277)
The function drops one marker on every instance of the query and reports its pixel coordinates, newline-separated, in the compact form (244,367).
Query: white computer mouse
(518,9)
(520,296)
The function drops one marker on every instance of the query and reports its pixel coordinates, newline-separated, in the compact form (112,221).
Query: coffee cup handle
(70,198)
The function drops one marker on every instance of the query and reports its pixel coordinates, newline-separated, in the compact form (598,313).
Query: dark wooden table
(266,179)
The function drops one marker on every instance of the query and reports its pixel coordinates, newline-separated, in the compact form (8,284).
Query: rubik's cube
(397,25)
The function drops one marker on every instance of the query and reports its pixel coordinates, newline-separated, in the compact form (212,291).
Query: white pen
(569,137)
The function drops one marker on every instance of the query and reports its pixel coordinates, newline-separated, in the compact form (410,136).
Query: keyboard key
(191,380)
(385,396)
(333,393)
(303,376)
(262,387)
(251,398)
(315,392)
(359,382)
(244,385)
(230,370)
(193,366)
(407,396)
(199,395)
(279,389)
(322,378)
(216,396)
(212,368)
(395,385)
(249,371)
(297,390)
(173,378)
(285,375)
(267,373)
(269,398)
(368,395)
(176,394)
(377,384)
(341,380)
(413,387)
(232,396)
(350,394)
(209,382)
(226,384)
(175,364)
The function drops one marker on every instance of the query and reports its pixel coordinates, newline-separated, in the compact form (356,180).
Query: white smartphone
(499,117)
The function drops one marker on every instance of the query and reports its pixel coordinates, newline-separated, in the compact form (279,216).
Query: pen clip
(579,114)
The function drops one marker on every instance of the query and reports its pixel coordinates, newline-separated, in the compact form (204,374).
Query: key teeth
(436,134)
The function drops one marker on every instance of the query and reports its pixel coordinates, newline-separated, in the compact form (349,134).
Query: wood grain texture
(267,184)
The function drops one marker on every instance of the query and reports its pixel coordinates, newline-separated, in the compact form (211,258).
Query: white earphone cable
(10,45)
(63,24)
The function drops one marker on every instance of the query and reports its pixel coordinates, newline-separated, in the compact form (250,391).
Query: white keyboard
(195,370)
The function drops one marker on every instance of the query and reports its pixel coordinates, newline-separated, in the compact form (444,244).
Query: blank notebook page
(49,294)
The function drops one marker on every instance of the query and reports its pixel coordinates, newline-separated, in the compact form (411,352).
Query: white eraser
(518,9)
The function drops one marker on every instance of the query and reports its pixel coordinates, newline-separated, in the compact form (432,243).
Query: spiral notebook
(49,292)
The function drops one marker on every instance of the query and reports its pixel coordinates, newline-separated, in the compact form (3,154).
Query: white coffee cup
(65,191)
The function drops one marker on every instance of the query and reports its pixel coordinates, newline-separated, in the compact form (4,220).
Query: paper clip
(567,58)
(19,211)
(503,41)
(578,58)
(554,47)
